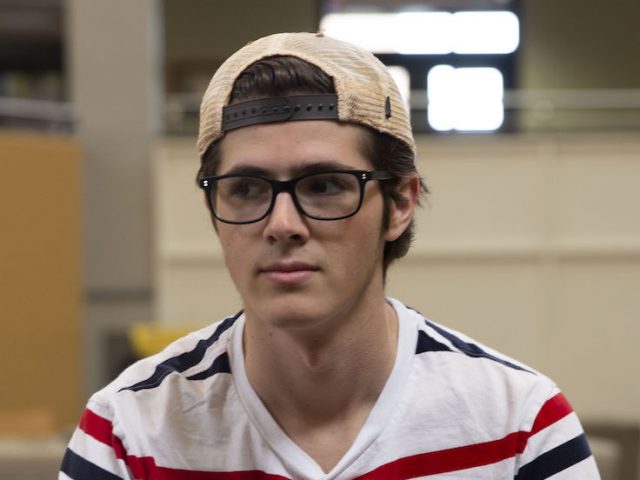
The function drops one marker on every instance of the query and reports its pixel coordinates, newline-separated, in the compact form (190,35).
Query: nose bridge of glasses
(283,186)
(287,186)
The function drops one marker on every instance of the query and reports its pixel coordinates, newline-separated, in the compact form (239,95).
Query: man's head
(291,72)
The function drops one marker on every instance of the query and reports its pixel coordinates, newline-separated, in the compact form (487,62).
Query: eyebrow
(303,169)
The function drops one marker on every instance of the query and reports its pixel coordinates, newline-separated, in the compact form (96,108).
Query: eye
(243,188)
(327,184)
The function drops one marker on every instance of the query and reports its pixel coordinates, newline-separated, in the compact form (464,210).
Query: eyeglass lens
(325,196)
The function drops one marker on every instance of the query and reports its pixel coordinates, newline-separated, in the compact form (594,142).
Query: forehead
(287,147)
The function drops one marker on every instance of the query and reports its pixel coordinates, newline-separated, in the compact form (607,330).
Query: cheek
(361,241)
(235,250)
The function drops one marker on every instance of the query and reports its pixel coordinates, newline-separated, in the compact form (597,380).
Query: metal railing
(541,110)
(30,114)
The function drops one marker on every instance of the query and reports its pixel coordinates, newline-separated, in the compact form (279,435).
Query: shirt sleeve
(556,445)
(94,452)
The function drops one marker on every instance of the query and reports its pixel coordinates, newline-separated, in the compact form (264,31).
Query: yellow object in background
(150,338)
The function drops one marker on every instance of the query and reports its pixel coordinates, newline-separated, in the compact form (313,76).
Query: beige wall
(530,244)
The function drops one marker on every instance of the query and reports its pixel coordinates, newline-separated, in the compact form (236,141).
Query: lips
(288,273)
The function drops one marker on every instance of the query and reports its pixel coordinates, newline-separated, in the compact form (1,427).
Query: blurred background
(527,119)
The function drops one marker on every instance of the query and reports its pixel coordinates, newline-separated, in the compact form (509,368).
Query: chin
(290,310)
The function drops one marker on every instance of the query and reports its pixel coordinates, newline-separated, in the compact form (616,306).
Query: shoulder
(157,402)
(178,369)
(476,377)
(496,398)
(435,338)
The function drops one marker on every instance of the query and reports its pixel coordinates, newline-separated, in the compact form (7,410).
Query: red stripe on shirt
(145,468)
(101,429)
(554,410)
(96,426)
(449,460)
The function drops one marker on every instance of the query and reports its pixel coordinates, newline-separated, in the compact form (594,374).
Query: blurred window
(465,99)
(458,57)
(427,32)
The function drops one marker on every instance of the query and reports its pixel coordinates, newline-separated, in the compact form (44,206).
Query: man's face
(291,270)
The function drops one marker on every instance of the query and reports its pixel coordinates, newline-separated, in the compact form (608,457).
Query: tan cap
(366,93)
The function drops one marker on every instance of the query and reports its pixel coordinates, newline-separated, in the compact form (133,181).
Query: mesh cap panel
(367,94)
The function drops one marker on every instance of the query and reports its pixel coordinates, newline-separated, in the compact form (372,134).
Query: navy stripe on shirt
(184,361)
(429,344)
(556,460)
(471,349)
(76,467)
(219,365)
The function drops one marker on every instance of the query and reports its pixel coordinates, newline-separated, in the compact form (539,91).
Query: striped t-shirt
(450,409)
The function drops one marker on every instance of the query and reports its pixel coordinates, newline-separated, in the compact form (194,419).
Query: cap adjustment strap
(279,109)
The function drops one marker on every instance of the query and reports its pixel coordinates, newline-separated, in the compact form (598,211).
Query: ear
(401,209)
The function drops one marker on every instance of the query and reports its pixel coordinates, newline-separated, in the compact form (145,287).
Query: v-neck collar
(296,460)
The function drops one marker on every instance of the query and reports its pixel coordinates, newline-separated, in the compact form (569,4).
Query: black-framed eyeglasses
(328,195)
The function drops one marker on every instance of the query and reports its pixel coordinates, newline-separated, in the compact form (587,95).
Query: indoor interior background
(530,241)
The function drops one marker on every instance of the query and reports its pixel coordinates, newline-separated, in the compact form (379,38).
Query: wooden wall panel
(40,276)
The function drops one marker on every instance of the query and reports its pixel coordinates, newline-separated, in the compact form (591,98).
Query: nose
(285,223)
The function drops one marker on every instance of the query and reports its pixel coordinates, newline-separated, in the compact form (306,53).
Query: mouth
(288,273)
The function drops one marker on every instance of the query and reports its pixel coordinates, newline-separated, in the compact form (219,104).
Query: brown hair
(286,75)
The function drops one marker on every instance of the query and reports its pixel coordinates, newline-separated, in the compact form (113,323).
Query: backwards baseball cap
(366,94)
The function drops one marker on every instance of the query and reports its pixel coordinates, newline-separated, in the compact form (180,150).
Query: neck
(333,370)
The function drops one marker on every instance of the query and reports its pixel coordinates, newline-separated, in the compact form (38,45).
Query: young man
(308,172)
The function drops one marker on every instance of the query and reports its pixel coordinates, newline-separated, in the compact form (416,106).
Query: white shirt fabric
(451,409)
